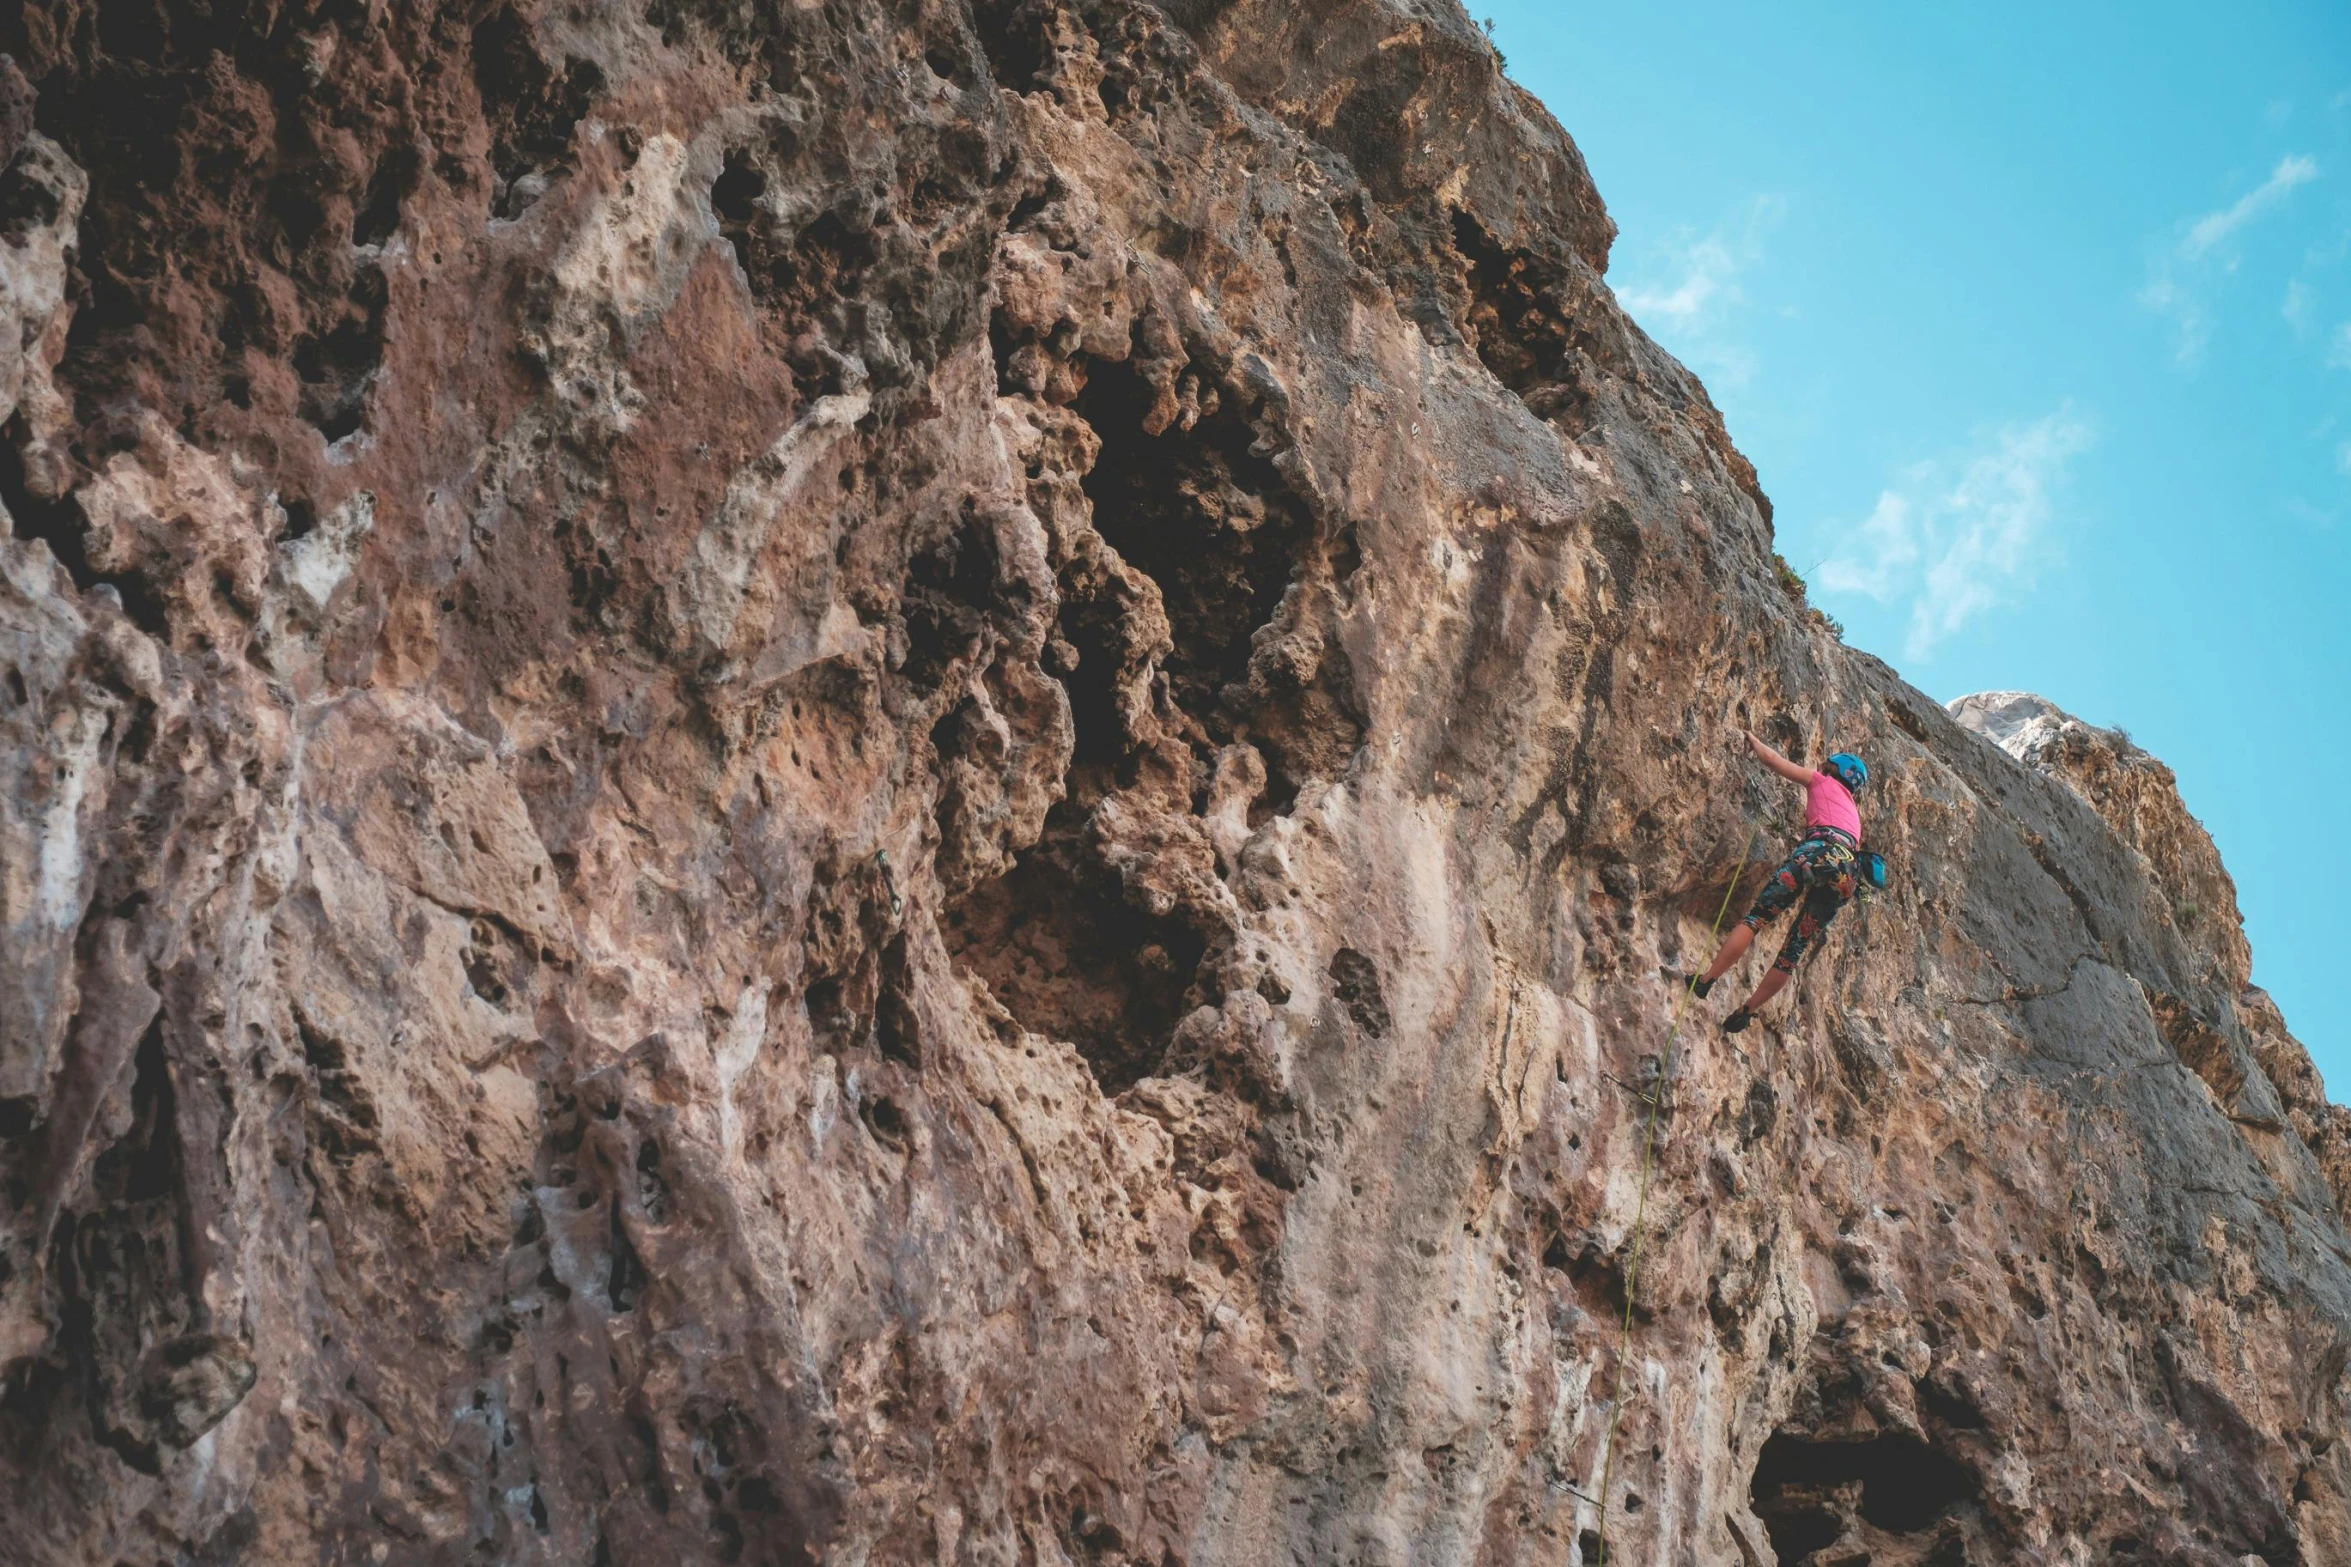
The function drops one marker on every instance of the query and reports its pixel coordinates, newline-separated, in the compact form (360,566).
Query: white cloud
(1691,297)
(1959,545)
(2210,229)
(2177,272)
(2193,327)
(2297,308)
(1709,277)
(2339,348)
(1887,547)
(2319,518)
(2343,458)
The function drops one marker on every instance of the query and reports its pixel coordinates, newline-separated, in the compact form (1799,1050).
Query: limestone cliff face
(896,783)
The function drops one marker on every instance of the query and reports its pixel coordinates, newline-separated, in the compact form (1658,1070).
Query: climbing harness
(1632,1272)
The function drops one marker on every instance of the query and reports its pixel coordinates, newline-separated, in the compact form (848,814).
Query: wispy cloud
(2179,271)
(2191,325)
(2319,518)
(1959,539)
(1691,294)
(2292,171)
(1709,278)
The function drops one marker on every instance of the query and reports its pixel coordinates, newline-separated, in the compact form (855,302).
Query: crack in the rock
(2016,994)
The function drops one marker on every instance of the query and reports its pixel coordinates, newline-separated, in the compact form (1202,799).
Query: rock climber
(1822,871)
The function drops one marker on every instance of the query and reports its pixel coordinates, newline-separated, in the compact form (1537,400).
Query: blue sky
(2036,322)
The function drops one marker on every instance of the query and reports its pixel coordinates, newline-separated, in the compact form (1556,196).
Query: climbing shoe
(1736,1021)
(1674,976)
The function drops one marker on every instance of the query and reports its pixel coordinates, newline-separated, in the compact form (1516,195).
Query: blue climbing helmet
(1849,770)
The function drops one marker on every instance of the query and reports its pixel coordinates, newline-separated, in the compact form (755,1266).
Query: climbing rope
(1632,1271)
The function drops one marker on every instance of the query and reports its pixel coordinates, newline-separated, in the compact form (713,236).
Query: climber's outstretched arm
(1776,762)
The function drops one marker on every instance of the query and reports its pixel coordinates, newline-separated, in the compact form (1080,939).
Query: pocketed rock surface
(905,782)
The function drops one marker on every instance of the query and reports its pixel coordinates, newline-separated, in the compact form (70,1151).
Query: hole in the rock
(885,1120)
(337,367)
(624,1281)
(946,61)
(1213,525)
(1799,1529)
(1070,958)
(652,1190)
(378,217)
(1892,1481)
(1519,325)
(1025,212)
(826,1014)
(110,308)
(1212,522)
(948,590)
(1598,1280)
(531,108)
(481,972)
(1949,1405)
(25,203)
(59,524)
(1013,37)
(301,518)
(1200,515)
(734,198)
(144,1164)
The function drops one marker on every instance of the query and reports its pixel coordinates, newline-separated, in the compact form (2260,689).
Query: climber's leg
(1785,887)
(1773,983)
(1734,947)
(1821,905)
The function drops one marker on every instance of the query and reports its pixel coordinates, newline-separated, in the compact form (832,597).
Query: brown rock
(794,783)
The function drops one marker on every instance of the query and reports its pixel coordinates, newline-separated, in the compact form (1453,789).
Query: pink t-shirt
(1828,804)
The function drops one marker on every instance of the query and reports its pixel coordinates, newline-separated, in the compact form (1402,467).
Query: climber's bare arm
(1776,762)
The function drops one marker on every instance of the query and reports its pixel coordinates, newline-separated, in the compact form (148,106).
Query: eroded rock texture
(895,782)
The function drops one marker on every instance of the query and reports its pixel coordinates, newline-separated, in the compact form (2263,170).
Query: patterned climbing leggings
(1820,871)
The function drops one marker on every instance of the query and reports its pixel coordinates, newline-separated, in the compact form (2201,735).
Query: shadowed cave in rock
(1210,521)
(1809,1493)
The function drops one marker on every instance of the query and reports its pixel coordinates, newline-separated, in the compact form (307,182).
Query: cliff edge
(900,783)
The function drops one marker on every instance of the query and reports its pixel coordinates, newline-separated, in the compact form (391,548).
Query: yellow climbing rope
(1632,1272)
